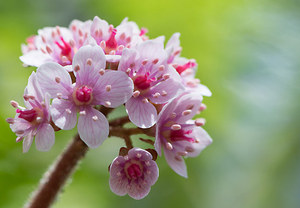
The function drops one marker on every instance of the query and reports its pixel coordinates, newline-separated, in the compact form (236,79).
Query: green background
(248,55)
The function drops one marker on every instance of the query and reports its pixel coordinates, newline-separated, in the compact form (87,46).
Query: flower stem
(55,178)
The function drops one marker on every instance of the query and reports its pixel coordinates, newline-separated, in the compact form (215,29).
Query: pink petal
(47,76)
(44,139)
(203,90)
(88,74)
(138,191)
(121,89)
(35,58)
(143,115)
(118,183)
(158,139)
(97,25)
(93,127)
(151,50)
(63,113)
(178,165)
(128,60)
(204,140)
(33,88)
(170,86)
(27,141)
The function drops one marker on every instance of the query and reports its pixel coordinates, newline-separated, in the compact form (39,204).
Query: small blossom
(177,134)
(56,44)
(154,81)
(90,89)
(133,174)
(34,120)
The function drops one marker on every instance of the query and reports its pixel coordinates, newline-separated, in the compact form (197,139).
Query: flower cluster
(88,69)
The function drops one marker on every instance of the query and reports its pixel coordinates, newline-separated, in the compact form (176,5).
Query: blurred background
(248,55)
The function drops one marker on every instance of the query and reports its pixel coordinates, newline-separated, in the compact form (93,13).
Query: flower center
(143,82)
(182,68)
(134,171)
(65,47)
(83,95)
(181,135)
(111,43)
(33,116)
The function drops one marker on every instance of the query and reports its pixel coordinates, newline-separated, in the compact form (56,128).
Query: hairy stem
(55,178)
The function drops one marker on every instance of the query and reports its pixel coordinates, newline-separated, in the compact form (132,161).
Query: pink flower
(177,134)
(185,68)
(154,81)
(94,86)
(33,121)
(114,40)
(133,174)
(56,44)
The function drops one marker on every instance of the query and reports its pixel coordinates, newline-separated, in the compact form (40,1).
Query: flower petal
(90,60)
(27,141)
(48,76)
(138,191)
(93,127)
(121,89)
(204,140)
(63,113)
(142,114)
(35,58)
(45,137)
(176,162)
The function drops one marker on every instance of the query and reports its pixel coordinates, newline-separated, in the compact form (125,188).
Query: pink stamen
(84,94)
(134,171)
(65,48)
(181,135)
(112,42)
(143,31)
(28,115)
(182,68)
(143,82)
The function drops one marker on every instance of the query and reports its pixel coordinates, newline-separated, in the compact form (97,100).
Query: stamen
(145,62)
(145,100)
(189,149)
(178,158)
(68,110)
(89,62)
(10,120)
(48,49)
(59,95)
(101,71)
(103,44)
(139,155)
(202,107)
(82,113)
(182,153)
(166,76)
(107,104)
(57,79)
(169,146)
(156,95)
(14,104)
(200,122)
(119,174)
(155,61)
(147,163)
(136,93)
(108,88)
(95,118)
(186,112)
(161,68)
(176,127)
(39,119)
(163,93)
(77,68)
(19,139)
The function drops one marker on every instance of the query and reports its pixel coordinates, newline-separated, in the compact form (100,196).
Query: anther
(166,76)
(19,139)
(108,88)
(155,61)
(118,174)
(173,115)
(95,118)
(59,95)
(147,163)
(169,146)
(138,155)
(145,62)
(186,112)
(80,32)
(202,107)
(19,132)
(178,158)
(107,104)
(128,70)
(145,100)
(200,122)
(189,149)
(161,68)
(89,62)
(176,127)
(39,119)
(68,111)
(163,93)
(103,44)
(58,30)
(156,95)
(72,43)
(182,153)
(82,113)
(48,49)
(64,59)
(101,71)
(136,93)
(120,48)
(57,79)
(77,68)
(14,104)
(10,120)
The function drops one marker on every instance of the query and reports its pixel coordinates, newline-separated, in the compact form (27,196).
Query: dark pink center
(112,42)
(84,94)
(65,47)
(181,135)
(143,82)
(28,115)
(182,68)
(134,171)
